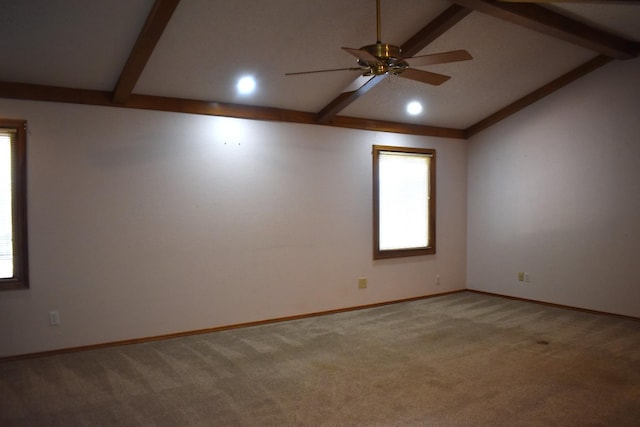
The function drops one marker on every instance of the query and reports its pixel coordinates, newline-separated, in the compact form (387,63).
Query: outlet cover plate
(54,318)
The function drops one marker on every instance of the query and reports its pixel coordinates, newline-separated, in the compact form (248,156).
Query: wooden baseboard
(215,329)
(551,304)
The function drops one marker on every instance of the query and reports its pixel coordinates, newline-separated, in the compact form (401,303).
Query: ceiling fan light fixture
(383,59)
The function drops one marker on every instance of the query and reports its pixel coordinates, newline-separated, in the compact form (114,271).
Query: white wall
(555,191)
(146,223)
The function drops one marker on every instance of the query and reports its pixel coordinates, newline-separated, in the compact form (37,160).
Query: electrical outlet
(54,318)
(527,277)
(521,276)
(362,282)
(437,280)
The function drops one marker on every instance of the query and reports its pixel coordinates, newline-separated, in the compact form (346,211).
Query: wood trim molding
(154,26)
(537,94)
(218,328)
(33,92)
(551,304)
(415,44)
(18,205)
(289,318)
(546,21)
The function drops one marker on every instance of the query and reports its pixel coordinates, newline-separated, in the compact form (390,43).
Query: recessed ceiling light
(414,108)
(246,85)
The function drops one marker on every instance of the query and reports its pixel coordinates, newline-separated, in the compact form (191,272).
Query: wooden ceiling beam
(440,25)
(154,26)
(396,127)
(343,100)
(32,92)
(538,94)
(546,21)
(415,44)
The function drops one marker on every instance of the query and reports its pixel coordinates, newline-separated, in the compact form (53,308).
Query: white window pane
(6,229)
(404,200)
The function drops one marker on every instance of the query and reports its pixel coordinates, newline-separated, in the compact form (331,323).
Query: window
(13,205)
(403,201)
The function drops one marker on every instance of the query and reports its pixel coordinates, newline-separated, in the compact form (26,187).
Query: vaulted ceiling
(187,55)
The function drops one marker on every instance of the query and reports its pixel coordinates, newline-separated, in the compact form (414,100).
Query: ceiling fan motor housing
(389,59)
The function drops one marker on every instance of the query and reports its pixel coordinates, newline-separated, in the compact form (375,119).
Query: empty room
(305,213)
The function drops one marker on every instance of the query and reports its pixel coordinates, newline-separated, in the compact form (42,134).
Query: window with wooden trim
(13,205)
(404,202)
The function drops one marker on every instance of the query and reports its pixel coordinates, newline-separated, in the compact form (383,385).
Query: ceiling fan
(381,58)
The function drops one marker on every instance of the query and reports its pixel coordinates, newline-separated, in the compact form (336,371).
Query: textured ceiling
(268,39)
(80,44)
(208,44)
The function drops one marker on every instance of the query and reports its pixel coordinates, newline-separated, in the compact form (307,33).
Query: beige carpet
(464,359)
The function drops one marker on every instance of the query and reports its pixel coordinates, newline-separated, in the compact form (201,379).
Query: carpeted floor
(463,359)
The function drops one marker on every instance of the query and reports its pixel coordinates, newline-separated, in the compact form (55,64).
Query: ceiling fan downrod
(378,36)
(388,57)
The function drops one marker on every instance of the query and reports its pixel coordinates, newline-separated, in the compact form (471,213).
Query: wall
(147,223)
(555,191)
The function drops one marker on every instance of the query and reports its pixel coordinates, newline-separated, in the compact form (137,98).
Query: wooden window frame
(20,279)
(430,248)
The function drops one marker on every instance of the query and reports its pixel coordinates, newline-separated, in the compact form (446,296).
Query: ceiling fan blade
(361,54)
(325,71)
(424,76)
(439,58)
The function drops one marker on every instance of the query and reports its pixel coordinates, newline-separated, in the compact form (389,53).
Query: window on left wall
(13,205)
